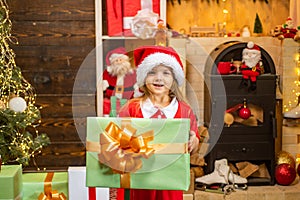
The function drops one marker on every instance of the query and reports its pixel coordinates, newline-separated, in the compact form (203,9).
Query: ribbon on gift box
(92,193)
(121,149)
(50,194)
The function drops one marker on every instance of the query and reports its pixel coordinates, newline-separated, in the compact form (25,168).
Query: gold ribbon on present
(50,194)
(121,149)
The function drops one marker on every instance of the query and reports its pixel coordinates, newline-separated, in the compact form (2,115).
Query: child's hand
(193,142)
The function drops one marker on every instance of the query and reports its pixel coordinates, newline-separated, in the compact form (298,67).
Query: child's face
(159,80)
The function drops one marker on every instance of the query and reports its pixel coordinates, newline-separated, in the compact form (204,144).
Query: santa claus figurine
(288,31)
(251,65)
(119,77)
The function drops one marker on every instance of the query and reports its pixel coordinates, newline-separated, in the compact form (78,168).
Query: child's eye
(167,73)
(151,72)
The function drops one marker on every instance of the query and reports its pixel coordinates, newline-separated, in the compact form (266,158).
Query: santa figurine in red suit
(159,75)
(252,65)
(288,30)
(119,77)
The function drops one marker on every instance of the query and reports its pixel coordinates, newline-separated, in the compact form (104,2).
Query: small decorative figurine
(252,65)
(288,30)
(119,77)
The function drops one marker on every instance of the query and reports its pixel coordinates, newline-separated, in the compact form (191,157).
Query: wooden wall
(54,39)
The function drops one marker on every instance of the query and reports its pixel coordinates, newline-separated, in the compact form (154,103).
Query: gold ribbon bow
(50,194)
(121,149)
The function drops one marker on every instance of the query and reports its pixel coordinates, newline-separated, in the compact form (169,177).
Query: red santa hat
(148,57)
(115,53)
(252,47)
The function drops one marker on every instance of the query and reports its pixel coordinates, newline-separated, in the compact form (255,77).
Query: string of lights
(291,104)
(20,139)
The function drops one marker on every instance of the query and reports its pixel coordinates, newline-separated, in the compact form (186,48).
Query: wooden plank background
(55,52)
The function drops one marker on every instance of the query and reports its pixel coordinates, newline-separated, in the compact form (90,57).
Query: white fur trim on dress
(155,59)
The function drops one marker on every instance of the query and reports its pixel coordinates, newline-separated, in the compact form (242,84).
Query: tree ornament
(244,112)
(17,104)
(285,157)
(285,174)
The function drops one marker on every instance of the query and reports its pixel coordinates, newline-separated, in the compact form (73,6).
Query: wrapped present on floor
(78,189)
(131,8)
(11,182)
(45,185)
(138,153)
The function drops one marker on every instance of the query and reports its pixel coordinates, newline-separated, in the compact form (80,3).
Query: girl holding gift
(159,75)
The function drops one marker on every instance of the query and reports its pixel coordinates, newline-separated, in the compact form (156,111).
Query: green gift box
(138,153)
(42,185)
(10,182)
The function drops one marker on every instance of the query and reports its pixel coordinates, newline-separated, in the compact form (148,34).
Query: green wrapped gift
(45,185)
(10,182)
(138,153)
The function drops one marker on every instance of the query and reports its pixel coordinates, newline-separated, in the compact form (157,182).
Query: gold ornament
(285,157)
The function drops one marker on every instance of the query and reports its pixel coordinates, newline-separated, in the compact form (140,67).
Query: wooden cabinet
(239,142)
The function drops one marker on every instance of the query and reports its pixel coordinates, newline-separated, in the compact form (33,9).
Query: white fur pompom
(250,45)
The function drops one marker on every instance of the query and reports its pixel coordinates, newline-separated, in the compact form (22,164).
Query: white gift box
(77,185)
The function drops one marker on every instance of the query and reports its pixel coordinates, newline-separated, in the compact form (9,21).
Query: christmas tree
(19,117)
(257,25)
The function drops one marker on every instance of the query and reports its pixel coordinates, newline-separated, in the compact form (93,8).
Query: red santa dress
(176,109)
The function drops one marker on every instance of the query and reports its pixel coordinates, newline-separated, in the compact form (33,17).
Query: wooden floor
(276,192)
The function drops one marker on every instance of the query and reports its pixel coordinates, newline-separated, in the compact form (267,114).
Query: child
(159,73)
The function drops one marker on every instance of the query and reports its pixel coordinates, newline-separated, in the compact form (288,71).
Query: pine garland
(19,138)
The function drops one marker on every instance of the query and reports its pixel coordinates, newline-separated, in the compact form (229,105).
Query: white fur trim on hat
(155,59)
